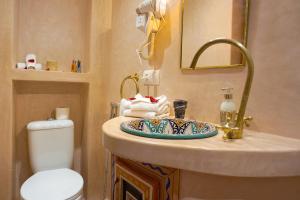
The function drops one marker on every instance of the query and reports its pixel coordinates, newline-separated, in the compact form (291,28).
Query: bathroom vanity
(259,162)
(142,180)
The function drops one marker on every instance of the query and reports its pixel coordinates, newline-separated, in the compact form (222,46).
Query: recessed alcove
(36,100)
(53,30)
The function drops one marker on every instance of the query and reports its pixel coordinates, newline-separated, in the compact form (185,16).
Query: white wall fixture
(151,77)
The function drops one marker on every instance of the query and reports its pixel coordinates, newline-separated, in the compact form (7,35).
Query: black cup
(179,108)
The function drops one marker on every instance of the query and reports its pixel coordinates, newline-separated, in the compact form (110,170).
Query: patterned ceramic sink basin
(169,128)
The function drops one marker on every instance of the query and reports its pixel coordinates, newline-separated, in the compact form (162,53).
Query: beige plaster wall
(6,99)
(93,163)
(273,41)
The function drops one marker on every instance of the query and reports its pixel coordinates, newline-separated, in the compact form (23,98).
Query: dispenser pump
(227,93)
(227,108)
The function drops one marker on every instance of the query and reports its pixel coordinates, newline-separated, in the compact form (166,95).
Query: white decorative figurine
(30,63)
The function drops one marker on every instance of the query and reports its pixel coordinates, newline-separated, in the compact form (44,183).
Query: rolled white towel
(140,99)
(146,106)
(155,107)
(139,114)
(124,104)
(141,103)
(162,99)
(143,114)
(165,108)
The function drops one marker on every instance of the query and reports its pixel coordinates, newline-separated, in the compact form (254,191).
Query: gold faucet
(236,131)
(135,78)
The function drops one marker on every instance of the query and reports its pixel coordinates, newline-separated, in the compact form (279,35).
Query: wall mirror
(205,20)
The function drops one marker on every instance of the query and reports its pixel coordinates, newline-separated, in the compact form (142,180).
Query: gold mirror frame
(245,40)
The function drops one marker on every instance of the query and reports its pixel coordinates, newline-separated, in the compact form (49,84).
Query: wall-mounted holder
(135,79)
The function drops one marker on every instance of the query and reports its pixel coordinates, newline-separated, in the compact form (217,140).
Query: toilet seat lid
(57,184)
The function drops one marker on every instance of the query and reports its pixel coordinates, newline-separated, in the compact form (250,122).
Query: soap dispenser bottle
(227,109)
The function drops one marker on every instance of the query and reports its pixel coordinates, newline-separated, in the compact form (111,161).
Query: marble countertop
(256,155)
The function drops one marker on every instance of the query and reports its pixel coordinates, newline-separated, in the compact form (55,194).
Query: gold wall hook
(135,79)
(237,131)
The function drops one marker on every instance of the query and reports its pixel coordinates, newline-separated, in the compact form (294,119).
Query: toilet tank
(51,144)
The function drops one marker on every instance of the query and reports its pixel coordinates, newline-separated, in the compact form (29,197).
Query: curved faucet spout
(237,131)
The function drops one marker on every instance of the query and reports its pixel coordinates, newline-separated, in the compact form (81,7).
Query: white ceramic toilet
(51,146)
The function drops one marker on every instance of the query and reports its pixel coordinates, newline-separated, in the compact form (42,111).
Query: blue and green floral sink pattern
(169,128)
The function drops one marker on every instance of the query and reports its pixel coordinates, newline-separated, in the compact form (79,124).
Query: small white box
(62,113)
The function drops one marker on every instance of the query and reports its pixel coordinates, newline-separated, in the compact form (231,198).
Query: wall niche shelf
(50,76)
(53,30)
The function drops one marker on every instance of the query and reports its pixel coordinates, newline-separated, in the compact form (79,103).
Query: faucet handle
(229,132)
(247,120)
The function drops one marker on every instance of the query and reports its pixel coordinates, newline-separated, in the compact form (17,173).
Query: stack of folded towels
(145,107)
